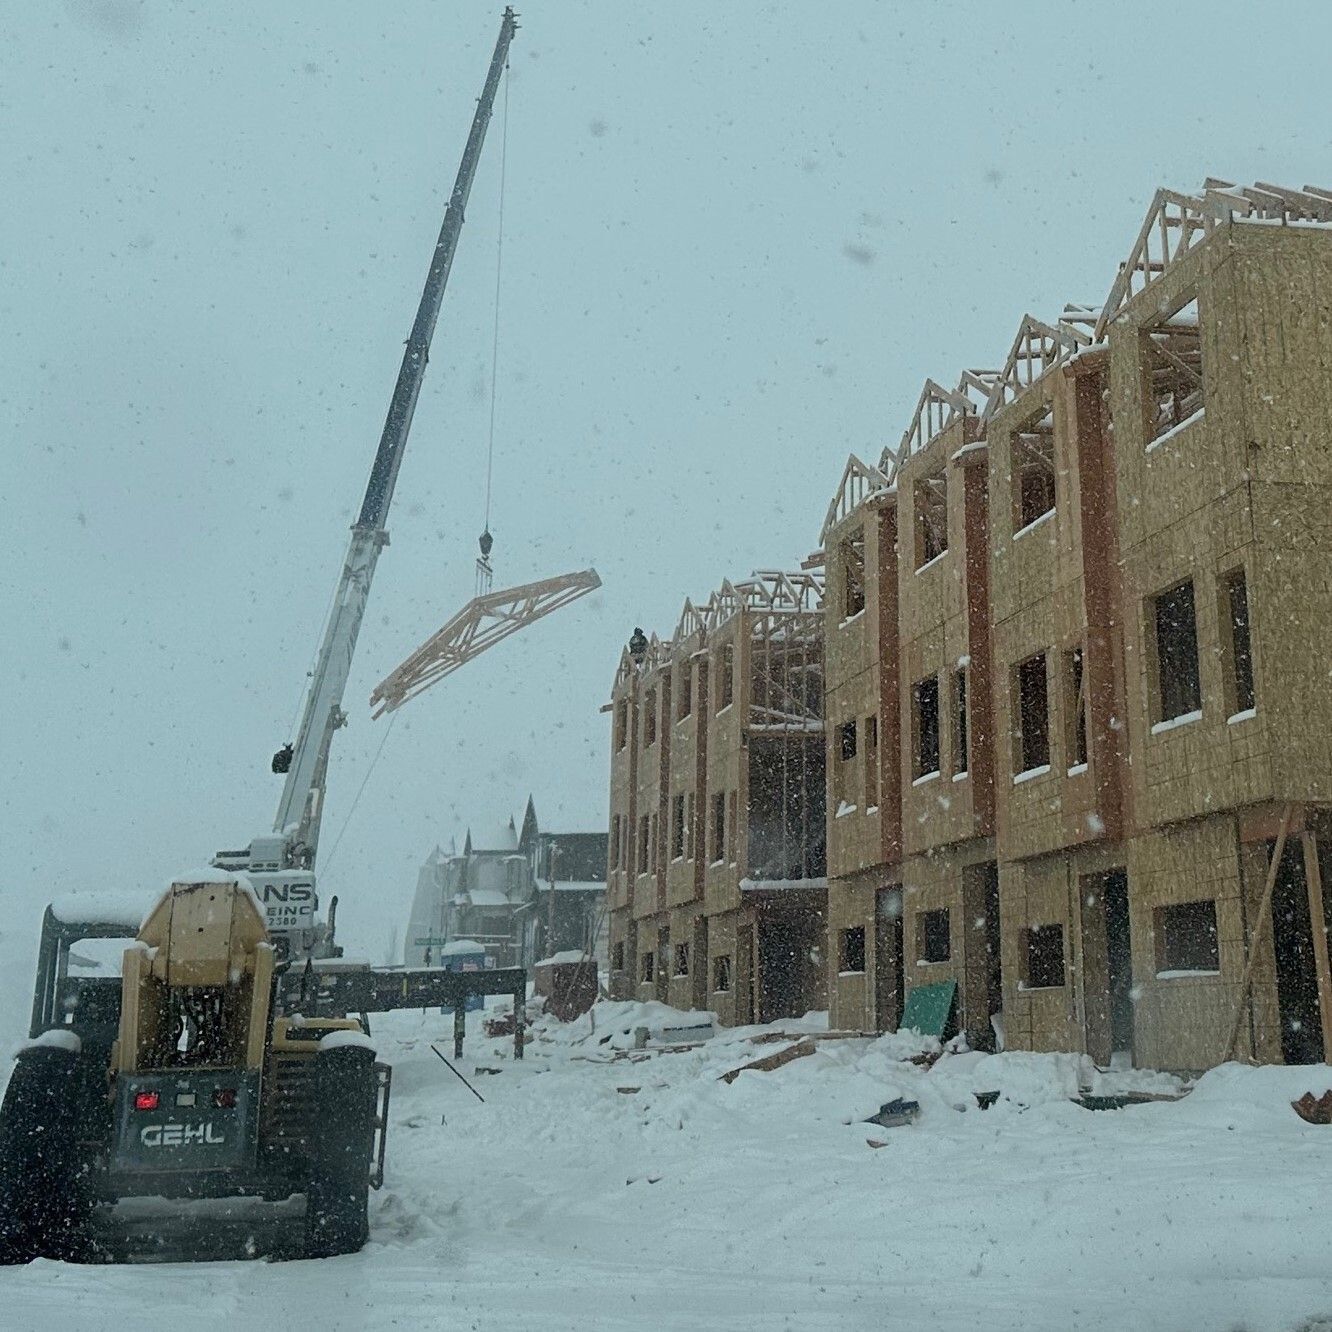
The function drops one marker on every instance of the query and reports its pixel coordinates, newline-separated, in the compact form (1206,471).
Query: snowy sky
(737,239)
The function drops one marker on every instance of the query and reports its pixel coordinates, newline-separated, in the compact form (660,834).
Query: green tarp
(928,1008)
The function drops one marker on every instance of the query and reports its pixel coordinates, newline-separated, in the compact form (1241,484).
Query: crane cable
(499,266)
(337,842)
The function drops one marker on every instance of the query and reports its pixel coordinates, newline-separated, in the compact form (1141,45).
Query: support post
(459,1022)
(1313,881)
(519,1001)
(1259,925)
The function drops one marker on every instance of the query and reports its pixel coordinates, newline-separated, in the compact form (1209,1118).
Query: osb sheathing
(623,794)
(1182,1022)
(1059,889)
(688,774)
(860,656)
(939,880)
(935,626)
(649,890)
(727,765)
(852,1001)
(1190,508)
(1036,588)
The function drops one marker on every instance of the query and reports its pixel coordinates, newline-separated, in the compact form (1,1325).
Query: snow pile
(602,1187)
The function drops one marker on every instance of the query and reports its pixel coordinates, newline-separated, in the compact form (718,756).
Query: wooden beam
(1313,882)
(1259,924)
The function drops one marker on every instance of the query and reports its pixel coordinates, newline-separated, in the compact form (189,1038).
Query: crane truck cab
(182,1079)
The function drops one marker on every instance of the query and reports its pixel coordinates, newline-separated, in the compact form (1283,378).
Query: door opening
(1296,970)
(889,976)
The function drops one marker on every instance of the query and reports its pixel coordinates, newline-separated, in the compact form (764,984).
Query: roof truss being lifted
(482,623)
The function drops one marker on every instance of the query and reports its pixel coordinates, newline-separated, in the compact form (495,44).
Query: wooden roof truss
(1036,350)
(1176,222)
(859,481)
(937,408)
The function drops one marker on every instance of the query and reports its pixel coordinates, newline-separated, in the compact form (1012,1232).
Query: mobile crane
(216,1065)
(280,864)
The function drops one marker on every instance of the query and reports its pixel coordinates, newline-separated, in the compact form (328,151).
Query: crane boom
(295,838)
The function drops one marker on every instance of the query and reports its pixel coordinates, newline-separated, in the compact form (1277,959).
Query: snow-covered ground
(602,1188)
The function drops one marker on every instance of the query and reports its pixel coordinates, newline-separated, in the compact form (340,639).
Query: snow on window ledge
(1034,524)
(929,564)
(1077,770)
(851,619)
(1024,988)
(871,809)
(1246,715)
(961,776)
(1030,774)
(926,777)
(1183,973)
(716,864)
(1174,430)
(861,972)
(1171,723)
(721,712)
(844,809)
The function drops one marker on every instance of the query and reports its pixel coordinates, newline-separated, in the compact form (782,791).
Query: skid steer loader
(181,1079)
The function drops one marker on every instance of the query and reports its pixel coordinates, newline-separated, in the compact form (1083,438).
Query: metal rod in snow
(460,1078)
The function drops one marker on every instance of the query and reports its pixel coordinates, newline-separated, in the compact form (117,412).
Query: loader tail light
(224,1098)
(146,1100)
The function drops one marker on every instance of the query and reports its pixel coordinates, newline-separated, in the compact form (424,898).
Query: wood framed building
(1098,648)
(717,800)
(1078,738)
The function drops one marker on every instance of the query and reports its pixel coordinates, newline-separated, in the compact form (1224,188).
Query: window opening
(1173,370)
(846,740)
(684,704)
(1044,957)
(726,680)
(853,573)
(1179,684)
(1033,455)
(1237,646)
(931,510)
(718,827)
(1186,938)
(961,738)
(871,762)
(621,723)
(1033,714)
(650,718)
(643,844)
(1077,707)
(721,973)
(925,721)
(935,941)
(678,827)
(851,949)
(682,959)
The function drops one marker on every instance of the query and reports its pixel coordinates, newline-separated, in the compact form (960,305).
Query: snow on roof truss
(1176,223)
(1036,350)
(859,481)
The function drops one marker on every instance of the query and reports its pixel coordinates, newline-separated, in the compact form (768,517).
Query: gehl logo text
(180,1135)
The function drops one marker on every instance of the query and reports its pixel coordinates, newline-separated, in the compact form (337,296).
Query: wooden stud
(1313,880)
(1264,915)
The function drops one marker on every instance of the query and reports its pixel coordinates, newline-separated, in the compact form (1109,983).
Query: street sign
(428,941)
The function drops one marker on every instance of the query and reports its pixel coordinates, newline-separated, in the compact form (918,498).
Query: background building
(522,894)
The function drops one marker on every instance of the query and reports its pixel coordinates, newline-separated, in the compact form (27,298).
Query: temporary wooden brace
(482,623)
(1313,880)
(1264,915)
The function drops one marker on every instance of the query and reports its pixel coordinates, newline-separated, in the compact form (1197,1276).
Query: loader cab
(70,995)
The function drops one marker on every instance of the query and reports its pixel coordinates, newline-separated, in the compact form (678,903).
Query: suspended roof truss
(483,622)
